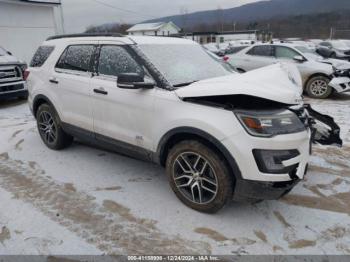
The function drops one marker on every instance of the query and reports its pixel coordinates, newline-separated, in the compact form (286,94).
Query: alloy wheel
(47,127)
(195,178)
(319,87)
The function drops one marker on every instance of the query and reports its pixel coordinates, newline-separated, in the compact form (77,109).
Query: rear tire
(318,87)
(199,177)
(50,129)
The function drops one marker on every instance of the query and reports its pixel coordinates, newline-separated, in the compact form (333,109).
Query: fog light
(270,161)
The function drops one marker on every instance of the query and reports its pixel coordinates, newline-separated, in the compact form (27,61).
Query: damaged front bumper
(341,81)
(324,129)
(291,152)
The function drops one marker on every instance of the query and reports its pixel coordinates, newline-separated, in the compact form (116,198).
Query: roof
(129,40)
(150,26)
(54,2)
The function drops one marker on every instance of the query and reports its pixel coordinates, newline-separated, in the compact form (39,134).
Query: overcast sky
(79,14)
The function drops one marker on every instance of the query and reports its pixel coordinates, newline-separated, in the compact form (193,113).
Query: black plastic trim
(108,143)
(84,35)
(20,93)
(41,97)
(205,136)
(248,190)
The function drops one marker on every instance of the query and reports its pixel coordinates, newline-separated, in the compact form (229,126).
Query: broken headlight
(269,123)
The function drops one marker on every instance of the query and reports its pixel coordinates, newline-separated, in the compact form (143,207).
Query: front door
(122,115)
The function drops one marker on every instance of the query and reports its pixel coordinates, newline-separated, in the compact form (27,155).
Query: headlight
(270,123)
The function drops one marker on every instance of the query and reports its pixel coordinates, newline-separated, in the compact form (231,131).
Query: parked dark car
(334,49)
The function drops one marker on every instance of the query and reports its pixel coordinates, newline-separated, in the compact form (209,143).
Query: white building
(222,37)
(154,29)
(25,24)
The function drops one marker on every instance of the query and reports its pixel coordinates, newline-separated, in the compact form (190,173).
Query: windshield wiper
(185,84)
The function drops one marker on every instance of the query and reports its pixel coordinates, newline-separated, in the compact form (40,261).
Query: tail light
(226,58)
(26,74)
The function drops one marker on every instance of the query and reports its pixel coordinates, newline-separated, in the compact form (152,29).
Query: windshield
(183,64)
(309,53)
(2,51)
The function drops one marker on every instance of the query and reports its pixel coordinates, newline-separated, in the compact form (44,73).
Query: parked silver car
(318,74)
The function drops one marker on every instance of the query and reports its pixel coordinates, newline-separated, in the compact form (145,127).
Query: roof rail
(84,35)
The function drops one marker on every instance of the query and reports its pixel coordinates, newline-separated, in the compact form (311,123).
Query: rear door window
(77,58)
(41,55)
(115,60)
(262,50)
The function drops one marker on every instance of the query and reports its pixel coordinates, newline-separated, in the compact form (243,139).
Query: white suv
(219,135)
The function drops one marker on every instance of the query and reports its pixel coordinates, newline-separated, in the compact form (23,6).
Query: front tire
(199,176)
(50,129)
(318,87)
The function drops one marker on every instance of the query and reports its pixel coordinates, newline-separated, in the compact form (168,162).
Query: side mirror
(299,58)
(133,81)
(9,53)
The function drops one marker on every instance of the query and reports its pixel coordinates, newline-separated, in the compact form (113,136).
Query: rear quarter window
(41,55)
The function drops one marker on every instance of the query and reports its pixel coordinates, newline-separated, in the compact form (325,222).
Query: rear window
(77,58)
(41,55)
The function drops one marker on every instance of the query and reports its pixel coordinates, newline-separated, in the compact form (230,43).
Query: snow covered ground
(85,200)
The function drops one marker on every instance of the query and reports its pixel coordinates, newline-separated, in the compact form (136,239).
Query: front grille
(11,88)
(347,52)
(10,74)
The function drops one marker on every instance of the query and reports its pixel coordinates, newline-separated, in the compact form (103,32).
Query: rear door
(71,81)
(121,115)
(259,56)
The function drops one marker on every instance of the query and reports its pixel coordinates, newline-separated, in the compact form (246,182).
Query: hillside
(258,11)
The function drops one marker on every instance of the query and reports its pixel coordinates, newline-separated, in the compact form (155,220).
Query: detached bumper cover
(340,84)
(324,129)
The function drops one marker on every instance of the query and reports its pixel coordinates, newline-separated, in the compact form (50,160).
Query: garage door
(23,27)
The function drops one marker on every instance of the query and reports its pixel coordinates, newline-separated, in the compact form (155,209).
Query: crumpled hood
(279,82)
(338,64)
(8,59)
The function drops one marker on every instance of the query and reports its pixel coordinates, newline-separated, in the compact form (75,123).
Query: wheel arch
(315,75)
(38,101)
(189,133)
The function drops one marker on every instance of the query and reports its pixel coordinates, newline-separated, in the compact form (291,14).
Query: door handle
(54,80)
(101,91)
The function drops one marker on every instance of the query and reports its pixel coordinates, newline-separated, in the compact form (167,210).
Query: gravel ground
(85,200)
